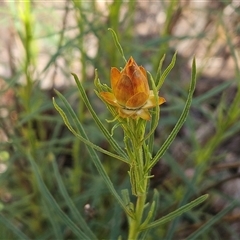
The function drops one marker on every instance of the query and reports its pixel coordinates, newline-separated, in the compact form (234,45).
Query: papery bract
(130,92)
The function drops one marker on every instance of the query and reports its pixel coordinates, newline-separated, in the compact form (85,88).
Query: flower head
(130,92)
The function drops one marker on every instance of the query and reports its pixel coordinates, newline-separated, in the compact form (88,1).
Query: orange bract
(130,92)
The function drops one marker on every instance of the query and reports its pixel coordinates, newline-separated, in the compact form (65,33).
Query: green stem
(139,182)
(134,224)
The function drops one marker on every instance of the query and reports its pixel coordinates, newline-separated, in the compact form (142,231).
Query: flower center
(132,109)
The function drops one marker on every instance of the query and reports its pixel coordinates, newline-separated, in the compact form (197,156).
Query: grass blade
(13,228)
(74,211)
(212,221)
(51,201)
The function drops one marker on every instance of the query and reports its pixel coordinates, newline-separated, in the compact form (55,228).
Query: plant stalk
(139,185)
(134,224)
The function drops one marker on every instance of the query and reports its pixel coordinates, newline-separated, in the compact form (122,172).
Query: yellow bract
(130,92)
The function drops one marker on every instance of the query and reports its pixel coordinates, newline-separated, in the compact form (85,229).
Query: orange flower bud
(130,92)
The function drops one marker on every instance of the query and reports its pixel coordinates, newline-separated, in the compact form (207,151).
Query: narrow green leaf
(118,45)
(210,223)
(152,210)
(180,121)
(159,70)
(56,225)
(92,153)
(150,214)
(84,140)
(153,214)
(49,198)
(125,196)
(155,116)
(167,71)
(74,211)
(154,120)
(20,235)
(176,213)
(102,128)
(212,92)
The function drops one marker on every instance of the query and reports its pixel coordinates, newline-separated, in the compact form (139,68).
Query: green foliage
(50,187)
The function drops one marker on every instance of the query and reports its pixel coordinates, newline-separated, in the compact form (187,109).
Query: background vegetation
(43,42)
